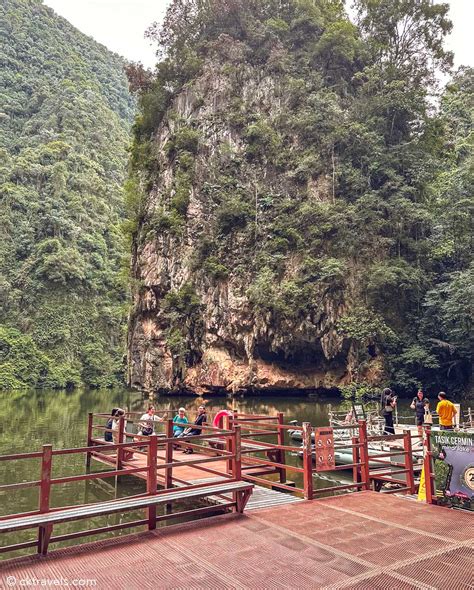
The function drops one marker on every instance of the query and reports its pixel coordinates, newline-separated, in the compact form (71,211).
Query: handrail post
(427,465)
(228,443)
(410,477)
(151,481)
(237,461)
(169,455)
(281,452)
(356,476)
(90,421)
(120,450)
(307,462)
(44,532)
(364,453)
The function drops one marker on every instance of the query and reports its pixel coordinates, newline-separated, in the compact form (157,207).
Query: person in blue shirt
(180,418)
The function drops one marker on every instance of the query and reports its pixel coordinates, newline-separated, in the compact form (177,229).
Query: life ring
(218,421)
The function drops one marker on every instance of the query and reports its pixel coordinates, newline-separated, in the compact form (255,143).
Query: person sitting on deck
(200,420)
(147,426)
(180,418)
(108,434)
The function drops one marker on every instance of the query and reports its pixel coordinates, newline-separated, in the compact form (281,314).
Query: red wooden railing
(253,446)
(147,446)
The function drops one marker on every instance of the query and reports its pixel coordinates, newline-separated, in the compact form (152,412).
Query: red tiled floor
(333,543)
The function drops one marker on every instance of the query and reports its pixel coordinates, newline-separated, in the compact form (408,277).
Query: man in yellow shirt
(446,412)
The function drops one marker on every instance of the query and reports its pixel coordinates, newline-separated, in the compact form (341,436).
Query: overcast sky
(120,25)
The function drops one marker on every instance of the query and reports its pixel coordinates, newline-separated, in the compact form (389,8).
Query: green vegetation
(348,189)
(182,311)
(64,121)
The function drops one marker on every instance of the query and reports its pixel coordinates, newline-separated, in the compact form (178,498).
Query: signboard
(324,448)
(453,454)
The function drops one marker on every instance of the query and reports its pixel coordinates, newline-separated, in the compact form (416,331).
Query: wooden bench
(241,492)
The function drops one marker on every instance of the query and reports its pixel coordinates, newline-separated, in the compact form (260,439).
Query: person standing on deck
(446,412)
(389,403)
(421,405)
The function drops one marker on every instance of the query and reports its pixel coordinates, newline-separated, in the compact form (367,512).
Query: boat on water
(375,427)
(349,420)
(345,457)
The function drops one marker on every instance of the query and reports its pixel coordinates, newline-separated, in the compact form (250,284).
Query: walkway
(364,541)
(262,497)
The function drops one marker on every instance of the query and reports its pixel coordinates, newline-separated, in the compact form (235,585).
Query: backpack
(108,435)
(147,431)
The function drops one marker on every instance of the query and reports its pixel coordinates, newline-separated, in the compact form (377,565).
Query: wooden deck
(363,541)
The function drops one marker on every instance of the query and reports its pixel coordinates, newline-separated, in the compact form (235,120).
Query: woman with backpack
(108,432)
(147,422)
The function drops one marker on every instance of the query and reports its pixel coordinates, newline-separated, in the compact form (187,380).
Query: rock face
(223,300)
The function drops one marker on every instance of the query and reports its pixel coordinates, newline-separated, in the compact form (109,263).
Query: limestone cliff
(233,289)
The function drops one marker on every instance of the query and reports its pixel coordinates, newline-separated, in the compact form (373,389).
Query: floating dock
(363,540)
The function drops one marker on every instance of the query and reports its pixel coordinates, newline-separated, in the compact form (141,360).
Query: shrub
(215,269)
(363,325)
(185,139)
(176,342)
(232,214)
(262,140)
(180,200)
(182,303)
(163,221)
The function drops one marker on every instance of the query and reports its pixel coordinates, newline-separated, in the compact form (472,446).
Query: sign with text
(324,449)
(453,454)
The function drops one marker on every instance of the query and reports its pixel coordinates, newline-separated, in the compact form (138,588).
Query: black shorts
(420,420)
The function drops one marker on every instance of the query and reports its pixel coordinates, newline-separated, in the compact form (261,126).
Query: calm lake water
(29,419)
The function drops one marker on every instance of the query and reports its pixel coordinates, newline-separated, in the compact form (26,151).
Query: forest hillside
(65,114)
(301,200)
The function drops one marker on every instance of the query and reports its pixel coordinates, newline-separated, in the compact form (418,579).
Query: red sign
(324,447)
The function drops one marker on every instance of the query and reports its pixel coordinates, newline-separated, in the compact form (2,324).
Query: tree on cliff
(291,159)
